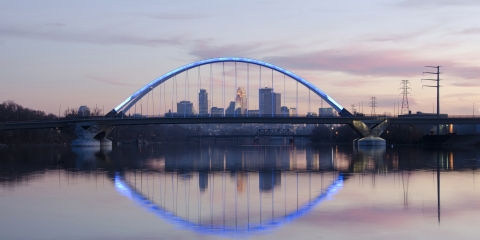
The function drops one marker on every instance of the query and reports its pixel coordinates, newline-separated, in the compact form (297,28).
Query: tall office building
(241,101)
(185,108)
(269,102)
(230,111)
(203,102)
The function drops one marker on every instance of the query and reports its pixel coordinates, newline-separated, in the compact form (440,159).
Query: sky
(59,54)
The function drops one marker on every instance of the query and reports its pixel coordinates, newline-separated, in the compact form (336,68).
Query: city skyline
(350,50)
(238,107)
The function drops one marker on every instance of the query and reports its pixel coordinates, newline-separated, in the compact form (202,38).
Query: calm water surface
(248,192)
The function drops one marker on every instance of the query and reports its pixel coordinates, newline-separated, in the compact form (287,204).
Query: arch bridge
(94,132)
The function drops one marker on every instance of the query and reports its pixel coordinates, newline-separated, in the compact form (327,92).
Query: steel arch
(131,100)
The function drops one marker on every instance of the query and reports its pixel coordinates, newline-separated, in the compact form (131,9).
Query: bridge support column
(86,137)
(105,143)
(93,136)
(370,136)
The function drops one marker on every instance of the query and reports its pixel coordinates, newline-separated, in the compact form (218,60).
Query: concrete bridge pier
(369,136)
(93,136)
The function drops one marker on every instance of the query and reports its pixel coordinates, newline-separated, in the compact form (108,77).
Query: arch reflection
(244,223)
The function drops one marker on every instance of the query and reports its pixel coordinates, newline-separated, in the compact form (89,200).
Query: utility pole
(405,93)
(438,89)
(373,104)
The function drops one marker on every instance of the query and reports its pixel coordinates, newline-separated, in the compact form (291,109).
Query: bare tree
(96,112)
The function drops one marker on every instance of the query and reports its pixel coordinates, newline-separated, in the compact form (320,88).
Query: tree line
(11,111)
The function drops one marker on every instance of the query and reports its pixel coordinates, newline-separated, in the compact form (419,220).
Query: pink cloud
(470,31)
(207,49)
(55,24)
(356,62)
(378,63)
(95,37)
(466,84)
(438,3)
(178,16)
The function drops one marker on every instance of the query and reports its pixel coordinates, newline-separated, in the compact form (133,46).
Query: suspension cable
(248,90)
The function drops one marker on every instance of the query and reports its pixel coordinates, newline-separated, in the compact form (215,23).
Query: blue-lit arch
(124,188)
(131,100)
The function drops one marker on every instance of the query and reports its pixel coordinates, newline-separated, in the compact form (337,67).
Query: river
(193,191)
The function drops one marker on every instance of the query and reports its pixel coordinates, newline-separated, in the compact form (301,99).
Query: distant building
(216,112)
(269,102)
(432,129)
(284,111)
(253,113)
(325,112)
(230,109)
(293,112)
(83,111)
(203,102)
(185,109)
(241,101)
(422,114)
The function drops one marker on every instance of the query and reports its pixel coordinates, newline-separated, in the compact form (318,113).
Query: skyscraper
(203,102)
(269,102)
(241,101)
(230,111)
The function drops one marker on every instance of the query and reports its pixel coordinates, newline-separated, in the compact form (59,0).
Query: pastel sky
(74,53)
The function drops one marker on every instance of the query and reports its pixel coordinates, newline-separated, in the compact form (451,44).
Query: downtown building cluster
(269,105)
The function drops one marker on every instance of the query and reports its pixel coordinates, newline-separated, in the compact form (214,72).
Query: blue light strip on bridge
(124,189)
(130,101)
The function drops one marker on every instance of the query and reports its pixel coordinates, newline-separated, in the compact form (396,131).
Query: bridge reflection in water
(230,190)
(231,204)
(247,190)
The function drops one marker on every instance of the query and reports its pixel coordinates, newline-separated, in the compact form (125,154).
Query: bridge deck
(217,120)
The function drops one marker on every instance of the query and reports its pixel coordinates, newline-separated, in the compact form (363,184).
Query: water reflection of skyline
(197,183)
(233,159)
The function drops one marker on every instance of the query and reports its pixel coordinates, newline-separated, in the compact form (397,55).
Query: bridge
(93,131)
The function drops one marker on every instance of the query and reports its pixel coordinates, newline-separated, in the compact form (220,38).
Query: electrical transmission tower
(405,91)
(373,104)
